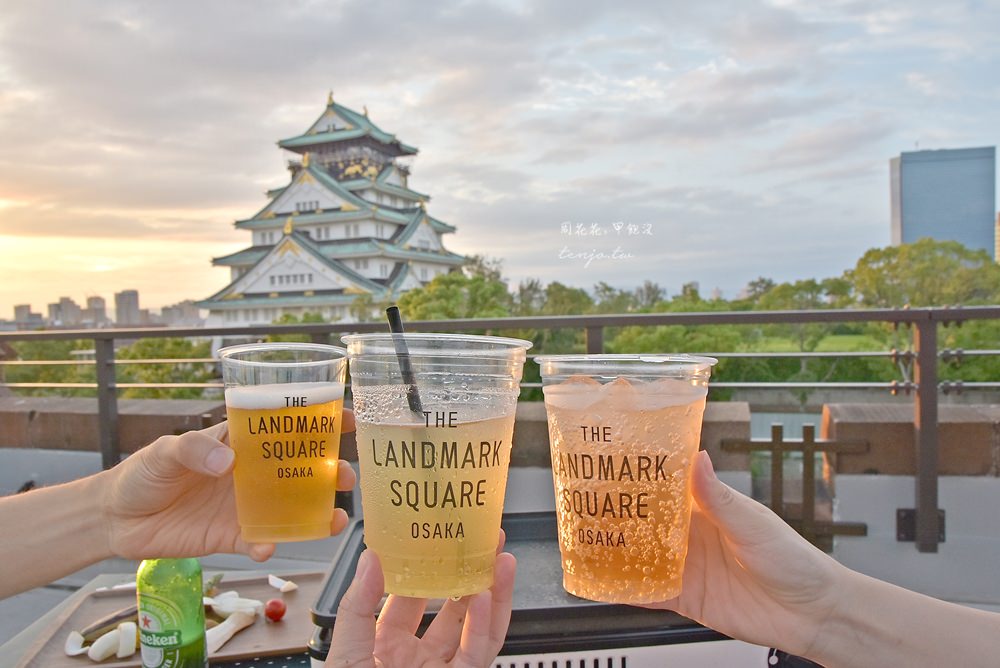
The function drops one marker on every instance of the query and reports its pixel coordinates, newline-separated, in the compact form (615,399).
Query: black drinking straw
(403,354)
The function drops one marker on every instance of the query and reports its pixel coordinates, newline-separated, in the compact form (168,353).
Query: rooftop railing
(920,364)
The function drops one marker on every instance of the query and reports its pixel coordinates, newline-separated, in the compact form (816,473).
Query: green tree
(689,291)
(797,296)
(456,296)
(680,338)
(839,292)
(925,273)
(608,299)
(529,298)
(365,308)
(290,319)
(490,268)
(563,300)
(84,372)
(649,294)
(758,287)
(974,335)
(168,372)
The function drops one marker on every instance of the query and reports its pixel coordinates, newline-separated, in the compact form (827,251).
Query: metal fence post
(107,402)
(595,340)
(925,423)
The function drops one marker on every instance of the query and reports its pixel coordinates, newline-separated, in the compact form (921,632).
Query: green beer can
(171,614)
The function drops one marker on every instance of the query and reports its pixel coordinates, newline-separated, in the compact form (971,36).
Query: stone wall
(969,434)
(59,423)
(969,438)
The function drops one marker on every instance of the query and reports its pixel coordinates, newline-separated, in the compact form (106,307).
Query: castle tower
(346,224)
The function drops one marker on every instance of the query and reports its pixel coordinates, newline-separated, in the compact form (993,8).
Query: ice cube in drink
(621,459)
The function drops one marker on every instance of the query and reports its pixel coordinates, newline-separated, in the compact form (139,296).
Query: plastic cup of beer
(623,433)
(284,403)
(435,418)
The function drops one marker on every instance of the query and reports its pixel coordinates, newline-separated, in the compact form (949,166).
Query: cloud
(725,124)
(821,146)
(922,83)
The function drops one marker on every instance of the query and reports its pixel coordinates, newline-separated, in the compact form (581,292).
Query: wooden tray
(289,636)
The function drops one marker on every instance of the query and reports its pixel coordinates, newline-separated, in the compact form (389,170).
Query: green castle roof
(313,249)
(362,127)
(366,210)
(281,300)
(345,248)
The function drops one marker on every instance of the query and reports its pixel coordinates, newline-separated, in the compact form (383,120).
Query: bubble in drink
(287,442)
(621,456)
(441,489)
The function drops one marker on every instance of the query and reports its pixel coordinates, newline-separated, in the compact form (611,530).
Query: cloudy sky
(710,141)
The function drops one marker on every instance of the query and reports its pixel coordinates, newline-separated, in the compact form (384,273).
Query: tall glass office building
(949,195)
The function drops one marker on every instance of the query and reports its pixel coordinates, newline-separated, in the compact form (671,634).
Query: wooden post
(778,469)
(809,482)
(595,340)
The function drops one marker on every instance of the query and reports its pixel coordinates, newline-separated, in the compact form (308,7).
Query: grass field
(832,343)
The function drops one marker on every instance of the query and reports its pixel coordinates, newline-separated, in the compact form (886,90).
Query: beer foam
(270,397)
(622,394)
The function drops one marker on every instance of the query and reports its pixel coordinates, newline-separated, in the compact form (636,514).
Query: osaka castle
(347,224)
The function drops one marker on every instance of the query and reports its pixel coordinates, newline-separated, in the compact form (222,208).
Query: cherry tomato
(275,609)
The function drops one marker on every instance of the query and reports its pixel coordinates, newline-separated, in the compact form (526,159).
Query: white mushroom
(74,644)
(231,605)
(126,639)
(218,636)
(284,586)
(104,647)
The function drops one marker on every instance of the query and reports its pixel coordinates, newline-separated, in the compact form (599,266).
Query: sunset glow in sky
(750,138)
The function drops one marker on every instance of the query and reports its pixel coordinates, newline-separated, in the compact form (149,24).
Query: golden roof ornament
(365,107)
(305,159)
(289,225)
(329,98)
(423,205)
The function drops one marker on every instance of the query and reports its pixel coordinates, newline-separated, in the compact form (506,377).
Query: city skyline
(749,138)
(96,310)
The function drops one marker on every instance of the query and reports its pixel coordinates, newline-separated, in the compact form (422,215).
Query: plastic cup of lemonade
(434,459)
